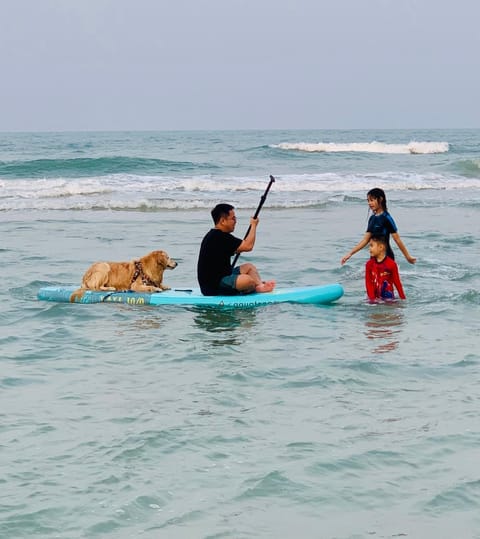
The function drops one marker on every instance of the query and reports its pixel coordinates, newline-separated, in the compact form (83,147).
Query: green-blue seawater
(352,420)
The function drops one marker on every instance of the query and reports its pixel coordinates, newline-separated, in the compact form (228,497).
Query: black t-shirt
(214,259)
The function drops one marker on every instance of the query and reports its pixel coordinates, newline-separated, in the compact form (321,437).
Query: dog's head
(164,260)
(155,263)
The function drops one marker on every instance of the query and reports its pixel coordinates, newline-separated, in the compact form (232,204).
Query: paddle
(262,200)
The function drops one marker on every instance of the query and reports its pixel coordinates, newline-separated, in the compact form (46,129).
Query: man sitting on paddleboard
(214,270)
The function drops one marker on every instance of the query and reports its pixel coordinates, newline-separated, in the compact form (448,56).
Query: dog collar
(139,273)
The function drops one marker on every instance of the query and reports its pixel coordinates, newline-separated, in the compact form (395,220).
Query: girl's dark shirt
(383,225)
(214,263)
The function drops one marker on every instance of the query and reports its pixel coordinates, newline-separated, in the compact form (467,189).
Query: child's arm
(397,282)
(360,245)
(369,284)
(402,247)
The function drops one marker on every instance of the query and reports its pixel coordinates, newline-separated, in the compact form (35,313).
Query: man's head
(223,216)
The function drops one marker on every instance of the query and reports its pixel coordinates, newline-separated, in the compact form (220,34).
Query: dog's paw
(157,289)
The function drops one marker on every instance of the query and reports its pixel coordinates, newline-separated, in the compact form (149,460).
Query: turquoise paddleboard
(192,296)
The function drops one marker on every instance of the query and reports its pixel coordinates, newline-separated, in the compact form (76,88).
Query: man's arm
(248,243)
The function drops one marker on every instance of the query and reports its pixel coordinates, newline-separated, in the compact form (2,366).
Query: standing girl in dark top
(381,223)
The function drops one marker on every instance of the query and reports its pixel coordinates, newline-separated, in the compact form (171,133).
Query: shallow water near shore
(342,421)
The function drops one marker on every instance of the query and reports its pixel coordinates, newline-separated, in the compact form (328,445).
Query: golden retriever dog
(142,275)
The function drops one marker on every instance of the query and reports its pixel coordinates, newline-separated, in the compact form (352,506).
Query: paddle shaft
(262,201)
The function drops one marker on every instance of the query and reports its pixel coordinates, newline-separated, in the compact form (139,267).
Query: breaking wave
(412,147)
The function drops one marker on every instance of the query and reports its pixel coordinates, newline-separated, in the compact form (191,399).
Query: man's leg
(249,280)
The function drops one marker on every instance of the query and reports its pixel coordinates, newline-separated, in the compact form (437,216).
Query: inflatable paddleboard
(192,296)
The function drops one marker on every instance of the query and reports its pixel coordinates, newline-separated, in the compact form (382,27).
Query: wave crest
(413,147)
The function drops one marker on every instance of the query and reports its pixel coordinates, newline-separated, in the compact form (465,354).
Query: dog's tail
(76,297)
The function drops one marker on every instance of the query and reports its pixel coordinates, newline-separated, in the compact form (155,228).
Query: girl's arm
(360,245)
(401,246)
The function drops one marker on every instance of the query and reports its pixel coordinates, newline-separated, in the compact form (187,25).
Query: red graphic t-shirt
(381,278)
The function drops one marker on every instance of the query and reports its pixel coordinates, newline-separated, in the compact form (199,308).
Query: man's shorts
(228,283)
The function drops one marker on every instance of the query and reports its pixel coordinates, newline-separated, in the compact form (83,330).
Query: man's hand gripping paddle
(262,200)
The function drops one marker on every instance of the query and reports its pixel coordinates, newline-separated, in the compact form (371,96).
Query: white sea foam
(151,193)
(413,147)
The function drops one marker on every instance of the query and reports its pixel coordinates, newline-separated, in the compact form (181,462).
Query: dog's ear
(161,258)
(150,262)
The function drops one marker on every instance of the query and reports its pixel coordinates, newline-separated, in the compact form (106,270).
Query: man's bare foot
(265,286)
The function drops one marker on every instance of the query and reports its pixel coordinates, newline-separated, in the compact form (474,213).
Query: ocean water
(344,421)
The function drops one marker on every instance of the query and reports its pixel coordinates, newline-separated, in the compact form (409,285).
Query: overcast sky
(238,64)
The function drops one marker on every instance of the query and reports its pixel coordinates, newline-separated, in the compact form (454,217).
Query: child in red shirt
(381,272)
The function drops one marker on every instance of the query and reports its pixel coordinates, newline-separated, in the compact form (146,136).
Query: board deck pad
(192,296)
